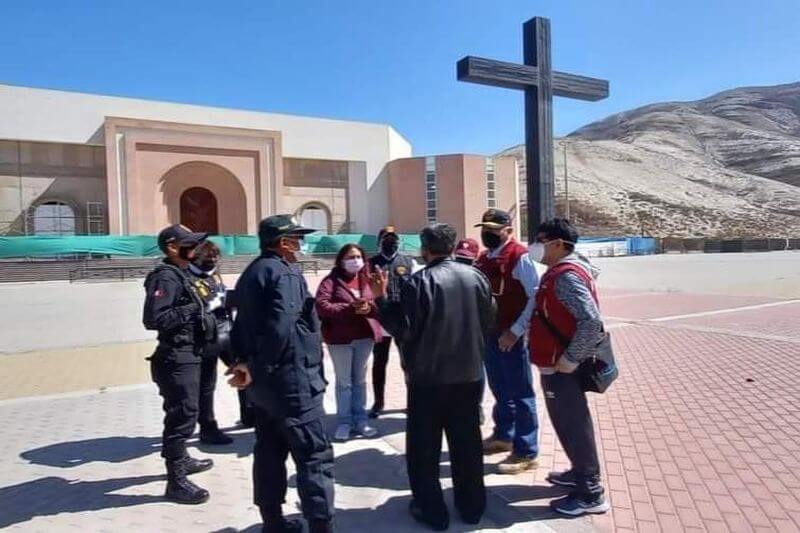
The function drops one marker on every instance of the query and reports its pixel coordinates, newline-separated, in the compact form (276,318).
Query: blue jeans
(511,382)
(350,367)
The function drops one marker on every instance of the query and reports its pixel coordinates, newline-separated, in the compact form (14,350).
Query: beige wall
(151,163)
(407,194)
(450,188)
(33,173)
(462,191)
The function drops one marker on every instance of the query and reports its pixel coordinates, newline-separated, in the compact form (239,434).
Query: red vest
(545,348)
(510,294)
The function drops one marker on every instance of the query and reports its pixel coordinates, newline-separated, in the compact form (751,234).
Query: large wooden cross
(540,83)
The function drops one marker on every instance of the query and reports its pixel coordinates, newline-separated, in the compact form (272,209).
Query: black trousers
(380,360)
(208,383)
(247,414)
(454,410)
(572,421)
(313,458)
(179,386)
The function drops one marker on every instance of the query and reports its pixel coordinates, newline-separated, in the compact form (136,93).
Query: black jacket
(173,308)
(218,322)
(398,268)
(444,313)
(276,331)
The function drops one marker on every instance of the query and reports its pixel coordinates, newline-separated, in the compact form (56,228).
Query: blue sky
(394,61)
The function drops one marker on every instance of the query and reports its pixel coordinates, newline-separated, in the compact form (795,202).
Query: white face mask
(353,266)
(537,249)
(536,252)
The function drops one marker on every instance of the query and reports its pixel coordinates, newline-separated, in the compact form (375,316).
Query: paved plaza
(700,433)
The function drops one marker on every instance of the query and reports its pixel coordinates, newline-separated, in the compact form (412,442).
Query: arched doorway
(212,190)
(199,210)
(316,217)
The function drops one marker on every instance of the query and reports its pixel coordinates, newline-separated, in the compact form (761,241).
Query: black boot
(195,466)
(211,434)
(274,522)
(179,488)
(320,526)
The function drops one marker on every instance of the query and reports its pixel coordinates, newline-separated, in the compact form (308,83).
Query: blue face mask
(304,248)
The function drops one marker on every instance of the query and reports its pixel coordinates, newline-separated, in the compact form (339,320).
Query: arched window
(53,218)
(315,217)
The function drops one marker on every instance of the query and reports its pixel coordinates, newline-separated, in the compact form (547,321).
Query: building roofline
(196,106)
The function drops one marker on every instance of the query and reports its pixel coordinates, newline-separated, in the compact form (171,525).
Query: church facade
(73,163)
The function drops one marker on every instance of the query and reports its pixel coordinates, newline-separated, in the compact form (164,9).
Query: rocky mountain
(724,166)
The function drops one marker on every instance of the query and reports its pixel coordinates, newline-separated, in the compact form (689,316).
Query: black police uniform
(276,332)
(175,310)
(398,268)
(217,346)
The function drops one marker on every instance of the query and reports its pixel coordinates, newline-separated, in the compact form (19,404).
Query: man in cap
(397,266)
(467,251)
(173,308)
(514,283)
(277,342)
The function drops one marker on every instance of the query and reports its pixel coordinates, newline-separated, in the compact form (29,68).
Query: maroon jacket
(510,294)
(340,323)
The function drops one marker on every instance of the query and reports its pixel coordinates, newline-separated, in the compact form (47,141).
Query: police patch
(401,271)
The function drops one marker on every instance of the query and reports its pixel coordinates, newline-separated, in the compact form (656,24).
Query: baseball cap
(180,234)
(280,225)
(467,248)
(495,219)
(386,230)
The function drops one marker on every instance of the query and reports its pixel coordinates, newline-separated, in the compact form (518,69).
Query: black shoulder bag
(596,373)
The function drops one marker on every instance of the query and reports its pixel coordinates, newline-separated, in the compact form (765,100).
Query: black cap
(495,219)
(180,234)
(386,230)
(276,226)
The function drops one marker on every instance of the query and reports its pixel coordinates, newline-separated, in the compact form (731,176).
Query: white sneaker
(367,431)
(342,432)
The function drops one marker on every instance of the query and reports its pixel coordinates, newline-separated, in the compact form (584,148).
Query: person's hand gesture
(507,341)
(378,282)
(361,307)
(240,376)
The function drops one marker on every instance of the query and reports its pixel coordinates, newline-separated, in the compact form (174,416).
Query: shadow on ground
(23,502)
(393,516)
(104,449)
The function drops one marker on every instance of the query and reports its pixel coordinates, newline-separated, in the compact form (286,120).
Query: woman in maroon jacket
(347,308)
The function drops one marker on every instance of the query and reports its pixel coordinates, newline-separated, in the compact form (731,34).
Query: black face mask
(491,240)
(389,248)
(206,266)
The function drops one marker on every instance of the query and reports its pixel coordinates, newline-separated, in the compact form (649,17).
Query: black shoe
(376,411)
(440,524)
(574,505)
(283,525)
(562,479)
(195,466)
(211,434)
(179,488)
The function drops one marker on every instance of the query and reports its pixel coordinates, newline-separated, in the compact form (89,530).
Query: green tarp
(145,245)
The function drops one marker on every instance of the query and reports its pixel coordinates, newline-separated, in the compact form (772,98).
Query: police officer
(276,337)
(174,309)
(207,281)
(397,266)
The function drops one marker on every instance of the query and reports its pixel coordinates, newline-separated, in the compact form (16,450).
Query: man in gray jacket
(441,319)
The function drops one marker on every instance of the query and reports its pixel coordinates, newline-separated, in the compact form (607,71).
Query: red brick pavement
(702,430)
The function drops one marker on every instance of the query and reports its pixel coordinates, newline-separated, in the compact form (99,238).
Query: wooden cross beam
(536,78)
